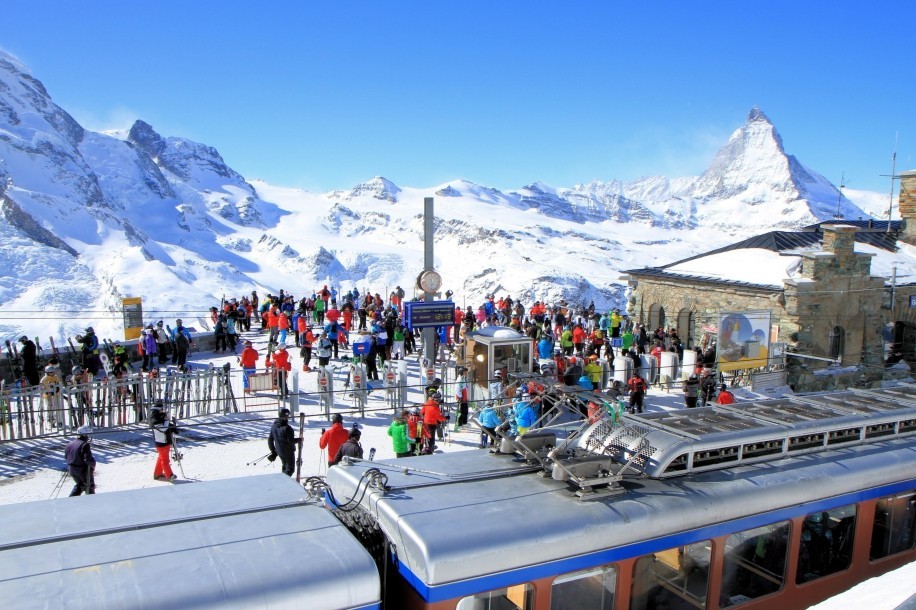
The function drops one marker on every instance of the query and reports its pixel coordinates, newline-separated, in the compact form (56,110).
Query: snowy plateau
(89,218)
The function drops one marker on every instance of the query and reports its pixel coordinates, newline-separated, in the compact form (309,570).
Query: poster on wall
(744,340)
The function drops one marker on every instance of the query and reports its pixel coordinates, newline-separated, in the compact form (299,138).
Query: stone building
(842,292)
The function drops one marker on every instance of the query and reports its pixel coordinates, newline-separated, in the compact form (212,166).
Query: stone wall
(907,205)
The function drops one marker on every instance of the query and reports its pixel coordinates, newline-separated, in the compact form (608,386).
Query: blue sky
(323,95)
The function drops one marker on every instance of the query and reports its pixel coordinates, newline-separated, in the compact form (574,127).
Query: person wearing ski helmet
(164,433)
(282,441)
(90,350)
(81,463)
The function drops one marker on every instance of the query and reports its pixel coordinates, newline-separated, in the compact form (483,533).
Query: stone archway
(656,317)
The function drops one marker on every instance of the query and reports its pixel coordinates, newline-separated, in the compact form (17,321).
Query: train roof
(456,517)
(246,542)
(671,443)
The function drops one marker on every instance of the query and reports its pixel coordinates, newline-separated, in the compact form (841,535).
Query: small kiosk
(494,348)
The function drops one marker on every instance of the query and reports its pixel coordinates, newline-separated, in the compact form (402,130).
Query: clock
(429,281)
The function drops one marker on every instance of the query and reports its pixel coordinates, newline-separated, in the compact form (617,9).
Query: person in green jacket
(398,433)
(566,341)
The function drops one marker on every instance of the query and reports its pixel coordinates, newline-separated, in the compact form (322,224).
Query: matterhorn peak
(756,115)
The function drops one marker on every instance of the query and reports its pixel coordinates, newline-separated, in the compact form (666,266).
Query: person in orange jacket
(432,418)
(249,362)
(332,438)
(273,323)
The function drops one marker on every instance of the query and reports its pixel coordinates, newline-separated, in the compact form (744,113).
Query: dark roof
(861,225)
(660,272)
(782,241)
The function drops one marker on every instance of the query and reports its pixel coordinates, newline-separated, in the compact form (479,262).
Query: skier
(164,433)
(162,343)
(691,391)
(398,433)
(708,388)
(351,448)
(249,362)
(637,387)
(80,462)
(29,355)
(462,395)
(282,441)
(432,418)
(332,438)
(90,350)
(181,337)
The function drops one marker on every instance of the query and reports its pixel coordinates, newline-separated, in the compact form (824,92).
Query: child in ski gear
(414,424)
(398,433)
(332,438)
(637,387)
(283,442)
(164,434)
(81,463)
(432,418)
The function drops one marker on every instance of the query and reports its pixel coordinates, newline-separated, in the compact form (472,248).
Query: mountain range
(89,218)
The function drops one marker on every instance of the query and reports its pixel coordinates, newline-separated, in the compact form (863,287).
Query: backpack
(181,341)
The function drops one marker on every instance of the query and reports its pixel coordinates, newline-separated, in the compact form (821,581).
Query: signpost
(429,315)
(132,307)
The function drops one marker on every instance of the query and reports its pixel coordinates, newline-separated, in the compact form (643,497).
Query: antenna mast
(839,197)
(890,204)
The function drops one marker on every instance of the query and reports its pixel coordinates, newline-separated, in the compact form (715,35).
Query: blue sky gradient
(323,95)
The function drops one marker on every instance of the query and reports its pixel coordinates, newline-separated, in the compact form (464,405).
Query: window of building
(894,529)
(591,588)
(826,543)
(755,563)
(516,597)
(674,579)
(836,342)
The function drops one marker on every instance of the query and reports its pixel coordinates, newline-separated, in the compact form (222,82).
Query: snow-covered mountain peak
(379,188)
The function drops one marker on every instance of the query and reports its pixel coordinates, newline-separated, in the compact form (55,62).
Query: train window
(591,588)
(826,543)
(894,529)
(755,563)
(516,597)
(676,578)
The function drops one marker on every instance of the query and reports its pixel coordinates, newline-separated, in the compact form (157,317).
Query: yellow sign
(132,308)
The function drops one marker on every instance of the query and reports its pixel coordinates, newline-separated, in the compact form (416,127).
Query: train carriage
(251,542)
(784,502)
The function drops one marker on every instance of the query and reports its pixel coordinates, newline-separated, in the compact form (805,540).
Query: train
(770,503)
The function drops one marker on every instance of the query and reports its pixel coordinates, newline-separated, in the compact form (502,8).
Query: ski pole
(253,462)
(60,485)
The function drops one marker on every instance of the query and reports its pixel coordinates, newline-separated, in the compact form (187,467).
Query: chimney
(907,205)
(839,239)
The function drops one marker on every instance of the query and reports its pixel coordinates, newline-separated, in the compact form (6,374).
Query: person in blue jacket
(489,422)
(524,415)
(545,347)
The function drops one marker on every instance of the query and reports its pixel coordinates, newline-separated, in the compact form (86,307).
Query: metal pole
(429,334)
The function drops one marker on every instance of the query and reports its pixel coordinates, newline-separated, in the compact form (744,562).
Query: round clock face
(430,281)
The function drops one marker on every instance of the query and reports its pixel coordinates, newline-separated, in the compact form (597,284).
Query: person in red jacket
(249,362)
(332,438)
(281,362)
(579,337)
(725,397)
(432,418)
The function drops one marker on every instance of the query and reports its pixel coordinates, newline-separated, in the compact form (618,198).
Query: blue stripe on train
(502,580)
